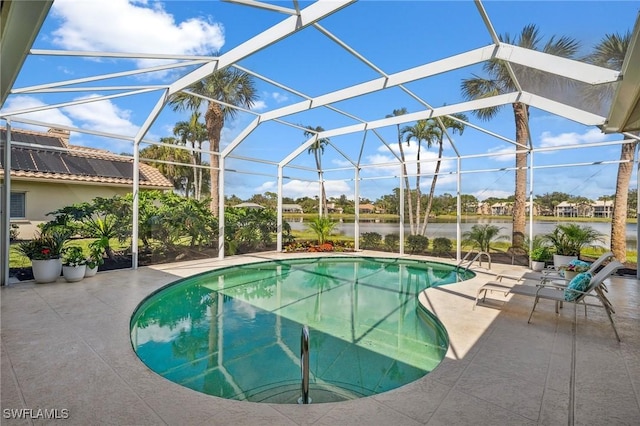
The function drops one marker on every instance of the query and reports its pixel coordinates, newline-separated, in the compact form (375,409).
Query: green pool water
(235,332)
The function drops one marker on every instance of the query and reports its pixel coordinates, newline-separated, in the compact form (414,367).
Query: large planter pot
(537,265)
(90,272)
(73,273)
(46,271)
(560,260)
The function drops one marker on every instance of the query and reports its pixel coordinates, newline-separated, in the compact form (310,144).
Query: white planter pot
(537,265)
(569,275)
(559,260)
(46,271)
(73,273)
(90,272)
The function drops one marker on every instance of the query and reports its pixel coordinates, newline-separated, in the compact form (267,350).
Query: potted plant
(574,268)
(569,239)
(96,256)
(74,264)
(44,252)
(539,256)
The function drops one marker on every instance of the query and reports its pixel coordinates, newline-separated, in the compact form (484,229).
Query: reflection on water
(440,228)
(235,333)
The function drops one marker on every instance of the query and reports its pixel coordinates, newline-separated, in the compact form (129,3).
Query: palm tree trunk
(418,171)
(620,204)
(214,121)
(432,190)
(521,112)
(407,184)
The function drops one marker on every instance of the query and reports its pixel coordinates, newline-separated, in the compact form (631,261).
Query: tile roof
(38,155)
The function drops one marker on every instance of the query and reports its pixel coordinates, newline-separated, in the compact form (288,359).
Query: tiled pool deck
(66,346)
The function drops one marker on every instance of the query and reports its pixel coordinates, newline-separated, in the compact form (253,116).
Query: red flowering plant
(45,246)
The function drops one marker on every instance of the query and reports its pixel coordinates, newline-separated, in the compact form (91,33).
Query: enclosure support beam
(279,211)
(531,212)
(6,208)
(356,223)
(136,204)
(401,195)
(459,213)
(637,207)
(221,236)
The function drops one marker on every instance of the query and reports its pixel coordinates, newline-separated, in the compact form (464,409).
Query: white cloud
(297,188)
(279,97)
(19,103)
(259,106)
(548,140)
(503,153)
(103,116)
(124,26)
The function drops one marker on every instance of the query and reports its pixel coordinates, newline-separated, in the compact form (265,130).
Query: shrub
(442,246)
(370,240)
(481,236)
(417,243)
(391,241)
(322,226)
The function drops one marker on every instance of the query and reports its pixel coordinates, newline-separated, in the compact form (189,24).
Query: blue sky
(393,36)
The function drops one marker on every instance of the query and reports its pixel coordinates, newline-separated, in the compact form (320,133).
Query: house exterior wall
(43,197)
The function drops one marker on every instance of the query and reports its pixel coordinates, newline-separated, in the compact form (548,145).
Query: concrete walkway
(65,347)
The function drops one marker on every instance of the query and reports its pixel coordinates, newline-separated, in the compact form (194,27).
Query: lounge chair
(559,293)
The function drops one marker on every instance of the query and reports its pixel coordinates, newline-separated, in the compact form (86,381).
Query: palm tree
(610,53)
(193,133)
(317,149)
(229,86)
(407,185)
(499,82)
(456,127)
(481,236)
(423,130)
(175,173)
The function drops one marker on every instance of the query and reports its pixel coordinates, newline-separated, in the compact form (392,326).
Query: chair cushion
(579,263)
(580,282)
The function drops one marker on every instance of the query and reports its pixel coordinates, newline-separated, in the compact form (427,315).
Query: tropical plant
(442,246)
(96,252)
(317,149)
(192,133)
(322,226)
(541,254)
(417,243)
(172,163)
(370,240)
(391,241)
(499,82)
(73,256)
(482,235)
(454,123)
(422,131)
(49,244)
(610,53)
(569,239)
(225,89)
(407,184)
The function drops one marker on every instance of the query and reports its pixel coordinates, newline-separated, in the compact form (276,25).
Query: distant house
(602,208)
(368,208)
(248,206)
(331,208)
(291,208)
(483,208)
(567,209)
(47,174)
(501,209)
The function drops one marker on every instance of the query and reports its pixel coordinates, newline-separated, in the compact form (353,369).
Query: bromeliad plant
(47,245)
(96,252)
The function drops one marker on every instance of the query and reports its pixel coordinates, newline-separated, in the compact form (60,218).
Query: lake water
(447,229)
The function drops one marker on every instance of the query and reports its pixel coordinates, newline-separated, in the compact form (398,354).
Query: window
(17,208)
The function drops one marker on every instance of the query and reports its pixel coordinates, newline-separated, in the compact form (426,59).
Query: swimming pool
(235,332)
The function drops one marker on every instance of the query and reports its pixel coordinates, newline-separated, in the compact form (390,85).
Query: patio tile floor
(66,346)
